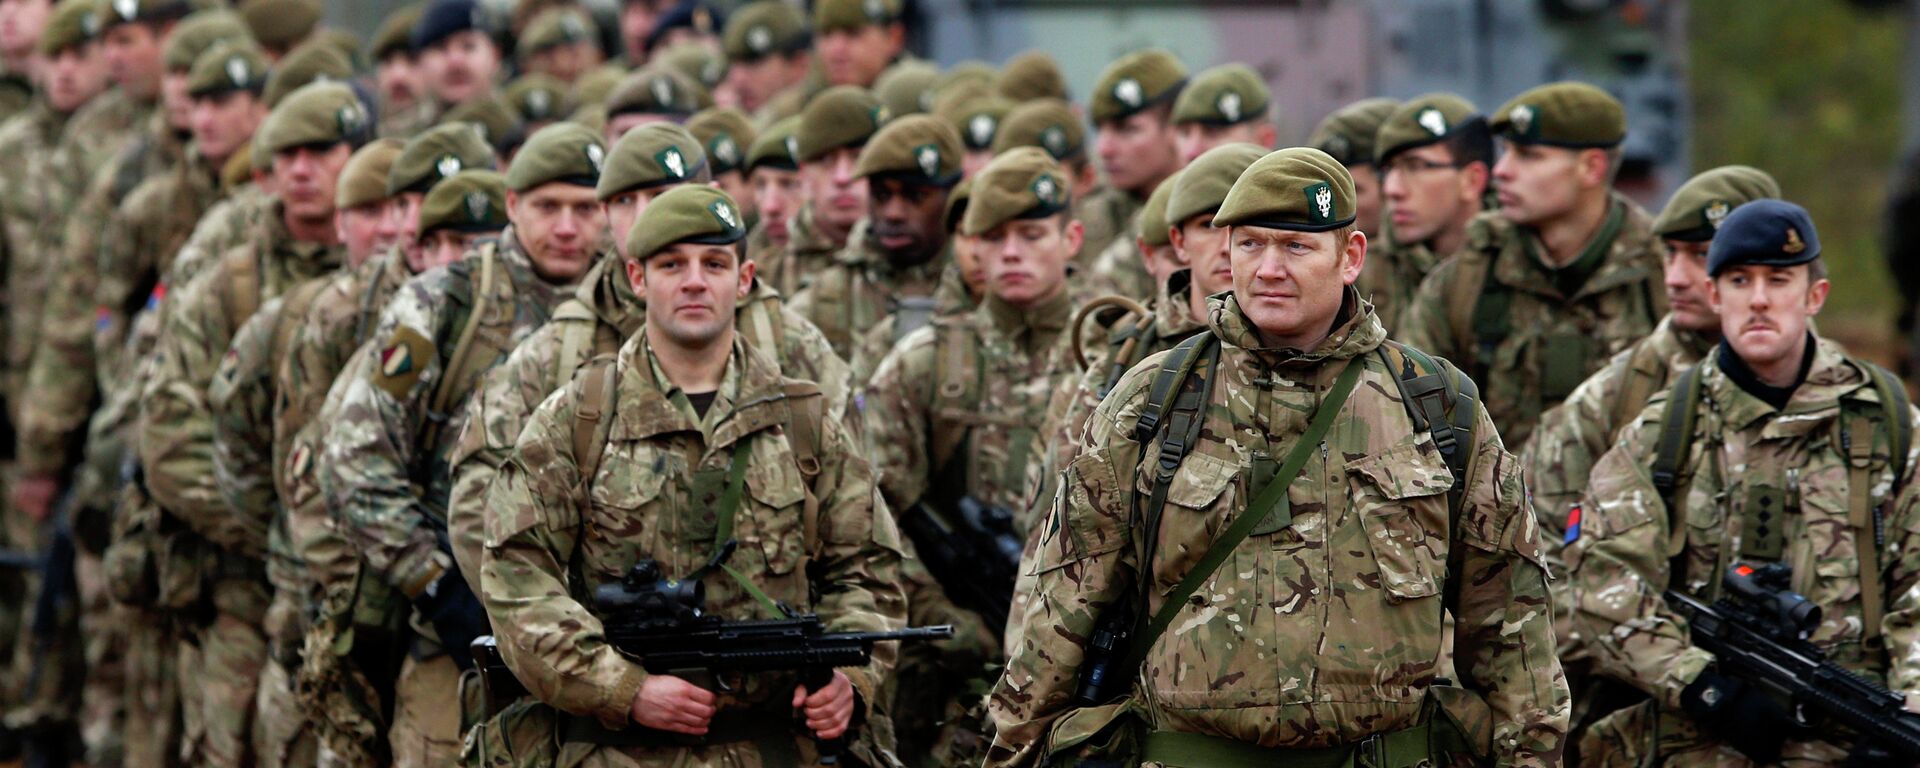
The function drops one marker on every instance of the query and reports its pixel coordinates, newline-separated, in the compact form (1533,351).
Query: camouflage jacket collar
(1032,329)
(607,292)
(1173,307)
(804,237)
(951,296)
(648,404)
(1677,347)
(1832,377)
(519,269)
(1631,258)
(304,257)
(1356,331)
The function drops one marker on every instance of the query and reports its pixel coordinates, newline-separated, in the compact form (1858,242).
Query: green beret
(113,13)
(1225,95)
(1029,76)
(1024,183)
(1348,133)
(1137,81)
(363,181)
(539,97)
(653,155)
(498,122)
(195,34)
(280,24)
(776,147)
(725,133)
(312,61)
(1298,188)
(917,148)
(347,43)
(971,71)
(1698,207)
(655,91)
(978,121)
(437,153)
(957,96)
(695,61)
(1205,182)
(957,199)
(842,15)
(1422,121)
(570,153)
(468,201)
(393,35)
(765,28)
(1049,124)
(1566,114)
(840,117)
(907,87)
(593,86)
(319,113)
(688,214)
(229,66)
(1151,222)
(72,24)
(555,27)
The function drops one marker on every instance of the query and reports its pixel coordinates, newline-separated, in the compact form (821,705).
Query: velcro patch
(402,359)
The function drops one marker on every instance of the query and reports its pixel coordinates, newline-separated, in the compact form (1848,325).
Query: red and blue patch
(1573,526)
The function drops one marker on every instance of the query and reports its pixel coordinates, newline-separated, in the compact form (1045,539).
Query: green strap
(1418,745)
(723,526)
(1273,497)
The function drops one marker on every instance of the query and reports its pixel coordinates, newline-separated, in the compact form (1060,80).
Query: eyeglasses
(1417,165)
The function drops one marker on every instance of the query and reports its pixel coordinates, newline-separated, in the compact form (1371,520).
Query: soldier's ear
(1817,296)
(1353,256)
(747,269)
(636,276)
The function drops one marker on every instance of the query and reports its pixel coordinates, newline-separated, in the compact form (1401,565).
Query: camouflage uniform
(383,478)
(1393,273)
(1741,446)
(228,223)
(862,289)
(1557,327)
(808,252)
(1107,214)
(542,515)
(1346,598)
(950,298)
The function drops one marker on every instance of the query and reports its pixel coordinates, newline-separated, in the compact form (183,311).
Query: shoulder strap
(593,417)
(1470,273)
(1179,400)
(957,382)
(577,324)
(1646,373)
(1857,441)
(455,370)
(1897,407)
(240,295)
(1444,402)
(806,417)
(1672,445)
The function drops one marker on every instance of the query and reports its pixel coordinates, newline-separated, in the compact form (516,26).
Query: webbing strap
(1868,519)
(1273,497)
(1676,438)
(576,335)
(589,418)
(1173,372)
(455,370)
(723,523)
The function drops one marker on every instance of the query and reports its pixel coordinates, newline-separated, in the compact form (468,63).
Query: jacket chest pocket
(1400,497)
(1199,498)
(770,520)
(624,503)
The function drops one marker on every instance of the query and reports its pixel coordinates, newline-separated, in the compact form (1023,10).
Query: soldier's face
(445,246)
(398,79)
(1367,199)
(1764,312)
(74,76)
(363,230)
(133,58)
(1025,260)
(305,176)
(223,122)
(966,258)
(1194,139)
(1538,184)
(857,56)
(21,22)
(1204,250)
(1290,284)
(756,82)
(1138,151)
(403,219)
(839,196)
(1161,260)
(624,209)
(691,291)
(559,224)
(566,61)
(734,183)
(462,67)
(175,102)
(1426,193)
(636,23)
(777,194)
(1687,287)
(906,221)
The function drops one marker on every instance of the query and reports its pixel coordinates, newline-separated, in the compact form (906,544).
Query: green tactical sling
(1675,442)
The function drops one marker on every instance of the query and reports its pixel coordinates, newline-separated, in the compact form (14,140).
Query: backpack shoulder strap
(1897,407)
(806,432)
(240,294)
(1444,402)
(577,323)
(957,383)
(1857,441)
(1671,447)
(593,416)
(1177,401)
(480,296)
(1645,375)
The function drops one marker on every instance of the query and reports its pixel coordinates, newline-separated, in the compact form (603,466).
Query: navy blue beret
(444,19)
(1772,233)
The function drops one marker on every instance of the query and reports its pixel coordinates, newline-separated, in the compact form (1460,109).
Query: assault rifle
(972,550)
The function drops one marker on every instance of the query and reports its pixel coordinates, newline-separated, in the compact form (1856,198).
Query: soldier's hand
(829,709)
(34,495)
(668,703)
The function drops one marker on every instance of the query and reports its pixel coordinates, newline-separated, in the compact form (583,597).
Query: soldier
(398,82)
(537,101)
(1775,448)
(855,40)
(1132,115)
(908,168)
(827,142)
(1224,105)
(1352,593)
(1348,135)
(280,26)
(1052,125)
(459,59)
(1562,277)
(976,120)
(454,218)
(310,136)
(562,43)
(1433,154)
(384,466)
(691,371)
(769,54)
(21,25)
(1029,76)
(774,177)
(651,95)
(725,133)
(360,202)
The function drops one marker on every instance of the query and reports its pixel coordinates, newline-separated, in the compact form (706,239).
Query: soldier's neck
(315,230)
(1453,237)
(691,368)
(21,63)
(1566,237)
